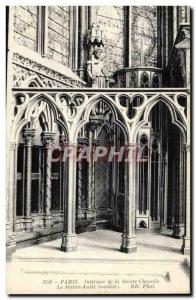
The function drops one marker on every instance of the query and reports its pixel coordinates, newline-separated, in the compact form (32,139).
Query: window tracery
(155,81)
(144,80)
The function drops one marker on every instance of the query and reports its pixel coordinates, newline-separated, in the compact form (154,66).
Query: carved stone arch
(46,118)
(32,81)
(155,141)
(143,135)
(25,115)
(143,143)
(146,109)
(85,112)
(144,80)
(101,97)
(107,127)
(155,80)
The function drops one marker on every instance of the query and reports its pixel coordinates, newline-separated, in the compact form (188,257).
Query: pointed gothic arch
(83,116)
(31,108)
(175,109)
(166,167)
(144,80)
(32,81)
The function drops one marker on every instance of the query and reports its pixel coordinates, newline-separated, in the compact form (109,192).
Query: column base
(8,231)
(80,214)
(178,231)
(48,221)
(28,224)
(69,242)
(10,246)
(163,227)
(90,214)
(186,247)
(128,244)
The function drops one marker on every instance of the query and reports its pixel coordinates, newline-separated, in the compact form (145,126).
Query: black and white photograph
(98,149)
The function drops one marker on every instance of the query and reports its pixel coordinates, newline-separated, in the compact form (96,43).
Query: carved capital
(187,147)
(82,141)
(185,33)
(96,142)
(62,141)
(95,122)
(72,145)
(48,138)
(28,136)
(131,146)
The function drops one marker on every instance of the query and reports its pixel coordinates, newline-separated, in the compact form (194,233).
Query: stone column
(28,138)
(47,140)
(178,229)
(114,185)
(90,213)
(80,213)
(83,23)
(165,194)
(186,238)
(128,238)
(62,143)
(11,202)
(79,186)
(91,16)
(69,238)
(188,68)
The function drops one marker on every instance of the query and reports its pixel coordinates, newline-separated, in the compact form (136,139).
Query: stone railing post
(178,229)
(90,213)
(11,204)
(186,238)
(128,237)
(69,237)
(28,138)
(47,140)
(62,143)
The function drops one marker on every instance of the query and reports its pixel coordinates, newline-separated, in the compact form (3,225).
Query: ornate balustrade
(72,109)
(69,105)
(134,77)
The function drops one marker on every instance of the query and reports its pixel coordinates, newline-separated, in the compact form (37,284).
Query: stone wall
(26,28)
(25,23)
(41,46)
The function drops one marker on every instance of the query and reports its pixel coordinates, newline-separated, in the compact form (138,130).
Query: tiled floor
(158,259)
(102,244)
